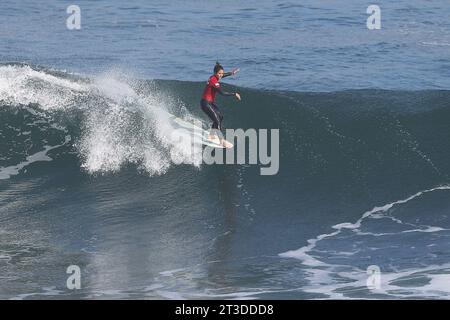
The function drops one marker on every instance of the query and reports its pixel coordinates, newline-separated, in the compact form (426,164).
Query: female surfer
(211,109)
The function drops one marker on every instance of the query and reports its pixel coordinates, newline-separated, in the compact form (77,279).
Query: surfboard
(200,134)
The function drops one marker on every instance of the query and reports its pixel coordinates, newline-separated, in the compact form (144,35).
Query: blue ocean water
(294,45)
(89,176)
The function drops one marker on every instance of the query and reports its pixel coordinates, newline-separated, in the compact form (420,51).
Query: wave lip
(121,121)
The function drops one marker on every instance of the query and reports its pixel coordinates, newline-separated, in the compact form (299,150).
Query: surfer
(210,108)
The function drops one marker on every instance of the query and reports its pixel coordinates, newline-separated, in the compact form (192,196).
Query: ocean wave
(116,121)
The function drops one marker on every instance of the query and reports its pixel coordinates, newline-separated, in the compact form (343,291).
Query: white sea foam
(434,43)
(24,85)
(322,275)
(113,139)
(439,283)
(121,125)
(46,291)
(7,172)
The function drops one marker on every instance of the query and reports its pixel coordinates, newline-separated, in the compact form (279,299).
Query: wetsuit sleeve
(227,74)
(224,93)
(216,85)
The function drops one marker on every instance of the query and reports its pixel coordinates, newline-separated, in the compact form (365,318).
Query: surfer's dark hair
(217,67)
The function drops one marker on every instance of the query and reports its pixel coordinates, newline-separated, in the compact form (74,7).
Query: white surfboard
(199,133)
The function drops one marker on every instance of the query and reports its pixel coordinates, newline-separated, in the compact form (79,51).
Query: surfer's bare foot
(213,138)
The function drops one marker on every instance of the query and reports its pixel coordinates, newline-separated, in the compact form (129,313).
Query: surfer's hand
(238,96)
(235,70)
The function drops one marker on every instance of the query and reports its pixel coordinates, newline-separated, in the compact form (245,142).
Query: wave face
(112,120)
(90,176)
(108,120)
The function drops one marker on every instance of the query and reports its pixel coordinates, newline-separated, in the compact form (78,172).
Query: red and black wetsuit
(208,97)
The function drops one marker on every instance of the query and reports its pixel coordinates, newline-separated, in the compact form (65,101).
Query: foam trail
(7,172)
(299,253)
(322,275)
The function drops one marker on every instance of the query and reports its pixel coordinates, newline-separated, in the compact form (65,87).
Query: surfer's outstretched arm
(233,72)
